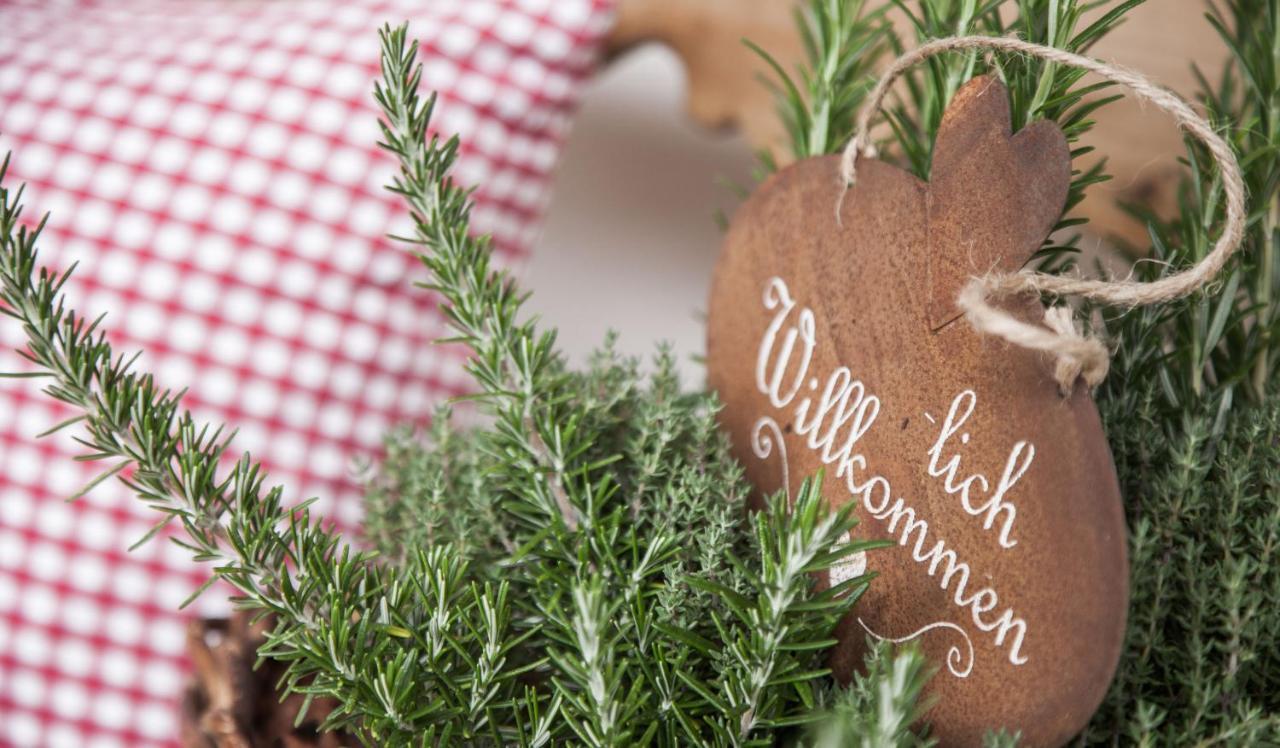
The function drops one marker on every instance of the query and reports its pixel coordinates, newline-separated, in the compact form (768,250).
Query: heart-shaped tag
(837,346)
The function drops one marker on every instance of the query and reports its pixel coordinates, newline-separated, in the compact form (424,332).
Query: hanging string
(1077,356)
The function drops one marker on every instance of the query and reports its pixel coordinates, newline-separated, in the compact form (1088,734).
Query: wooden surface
(1162,39)
(828,344)
(232,701)
(722,74)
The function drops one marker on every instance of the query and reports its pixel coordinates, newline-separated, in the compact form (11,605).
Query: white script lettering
(834,419)
(995,505)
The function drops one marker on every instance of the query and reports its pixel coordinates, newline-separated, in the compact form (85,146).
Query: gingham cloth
(211,165)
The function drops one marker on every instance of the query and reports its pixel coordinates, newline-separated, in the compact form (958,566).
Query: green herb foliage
(1221,345)
(843,43)
(582,568)
(1189,406)
(819,108)
(1193,421)
(1200,665)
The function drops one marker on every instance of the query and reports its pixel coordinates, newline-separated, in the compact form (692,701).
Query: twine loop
(1077,356)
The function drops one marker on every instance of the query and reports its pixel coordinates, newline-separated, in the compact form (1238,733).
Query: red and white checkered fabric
(211,165)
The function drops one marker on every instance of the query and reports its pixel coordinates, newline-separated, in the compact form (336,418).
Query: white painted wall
(631,238)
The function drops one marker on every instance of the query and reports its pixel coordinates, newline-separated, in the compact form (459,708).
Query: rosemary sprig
(280,559)
(845,43)
(1220,345)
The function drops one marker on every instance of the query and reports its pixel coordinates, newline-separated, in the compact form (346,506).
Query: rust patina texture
(838,346)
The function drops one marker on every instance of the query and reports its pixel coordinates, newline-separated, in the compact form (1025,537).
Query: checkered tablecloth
(211,166)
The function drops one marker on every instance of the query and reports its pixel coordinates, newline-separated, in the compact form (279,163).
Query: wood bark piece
(230,704)
(835,346)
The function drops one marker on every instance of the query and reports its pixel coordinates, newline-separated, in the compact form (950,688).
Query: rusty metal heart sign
(838,346)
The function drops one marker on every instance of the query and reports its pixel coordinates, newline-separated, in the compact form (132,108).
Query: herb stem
(1265,281)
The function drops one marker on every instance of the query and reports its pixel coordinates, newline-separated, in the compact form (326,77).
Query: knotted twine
(1076,355)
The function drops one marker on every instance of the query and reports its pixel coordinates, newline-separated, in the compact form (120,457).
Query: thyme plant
(1194,423)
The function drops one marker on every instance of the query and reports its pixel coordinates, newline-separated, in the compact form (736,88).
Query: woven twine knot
(1091,360)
